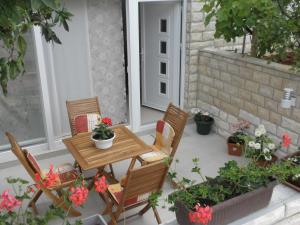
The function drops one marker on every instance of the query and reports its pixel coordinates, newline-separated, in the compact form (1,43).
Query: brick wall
(233,87)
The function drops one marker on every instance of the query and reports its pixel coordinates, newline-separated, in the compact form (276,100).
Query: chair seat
(155,155)
(116,191)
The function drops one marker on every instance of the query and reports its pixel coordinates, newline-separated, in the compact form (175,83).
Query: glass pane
(163,68)
(163,25)
(163,47)
(163,88)
(21,109)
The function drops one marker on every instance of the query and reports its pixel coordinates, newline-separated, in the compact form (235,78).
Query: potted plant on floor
(103,135)
(234,193)
(261,148)
(236,141)
(204,123)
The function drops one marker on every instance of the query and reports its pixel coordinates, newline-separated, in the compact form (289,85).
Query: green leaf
(36,4)
(53,4)
(22,45)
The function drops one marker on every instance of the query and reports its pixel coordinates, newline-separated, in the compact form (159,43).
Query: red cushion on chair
(86,122)
(33,162)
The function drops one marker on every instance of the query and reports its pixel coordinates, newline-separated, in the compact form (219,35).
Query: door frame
(133,52)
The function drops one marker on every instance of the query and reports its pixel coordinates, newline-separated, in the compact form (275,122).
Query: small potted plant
(204,123)
(293,181)
(103,135)
(261,148)
(236,142)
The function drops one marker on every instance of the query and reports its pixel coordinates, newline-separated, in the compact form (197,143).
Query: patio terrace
(212,152)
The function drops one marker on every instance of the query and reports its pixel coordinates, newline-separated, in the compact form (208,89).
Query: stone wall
(199,36)
(233,87)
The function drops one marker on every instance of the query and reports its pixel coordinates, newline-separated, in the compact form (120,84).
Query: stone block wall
(199,36)
(233,87)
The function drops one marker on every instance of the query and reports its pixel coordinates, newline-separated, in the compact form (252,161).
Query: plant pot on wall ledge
(265,163)
(231,209)
(294,182)
(204,123)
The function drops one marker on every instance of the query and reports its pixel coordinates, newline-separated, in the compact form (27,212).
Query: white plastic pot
(103,144)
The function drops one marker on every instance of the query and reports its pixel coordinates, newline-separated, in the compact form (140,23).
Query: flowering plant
(102,131)
(203,116)
(232,180)
(261,147)
(239,132)
(13,212)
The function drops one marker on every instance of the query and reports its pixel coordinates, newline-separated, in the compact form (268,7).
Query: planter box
(291,183)
(94,220)
(232,209)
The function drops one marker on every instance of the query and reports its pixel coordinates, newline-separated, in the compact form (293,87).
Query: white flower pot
(103,144)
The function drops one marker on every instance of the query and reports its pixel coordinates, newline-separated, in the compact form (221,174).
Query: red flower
(286,140)
(51,179)
(78,195)
(100,184)
(107,121)
(9,202)
(201,215)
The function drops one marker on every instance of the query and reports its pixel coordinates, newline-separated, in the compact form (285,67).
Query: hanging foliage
(17,17)
(274,25)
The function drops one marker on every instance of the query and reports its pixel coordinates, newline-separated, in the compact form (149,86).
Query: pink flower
(78,195)
(100,184)
(51,179)
(9,202)
(201,215)
(286,140)
(107,121)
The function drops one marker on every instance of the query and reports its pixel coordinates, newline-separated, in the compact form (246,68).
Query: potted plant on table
(103,135)
(261,148)
(204,123)
(236,141)
(234,193)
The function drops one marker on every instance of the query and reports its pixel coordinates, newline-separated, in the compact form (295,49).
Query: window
(163,26)
(163,88)
(21,110)
(163,47)
(163,68)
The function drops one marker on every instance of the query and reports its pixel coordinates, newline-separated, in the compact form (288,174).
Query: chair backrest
(21,155)
(177,118)
(145,179)
(80,107)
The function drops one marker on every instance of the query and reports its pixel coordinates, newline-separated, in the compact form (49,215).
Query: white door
(160,53)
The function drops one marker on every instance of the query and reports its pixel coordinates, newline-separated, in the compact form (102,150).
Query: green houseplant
(103,135)
(235,192)
(204,123)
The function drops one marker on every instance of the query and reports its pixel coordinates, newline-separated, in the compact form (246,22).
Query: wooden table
(126,145)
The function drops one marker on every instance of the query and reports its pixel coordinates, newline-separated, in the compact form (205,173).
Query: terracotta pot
(231,209)
(235,149)
(265,163)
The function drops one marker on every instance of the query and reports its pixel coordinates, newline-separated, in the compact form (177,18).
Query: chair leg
(33,201)
(156,215)
(145,209)
(76,165)
(112,170)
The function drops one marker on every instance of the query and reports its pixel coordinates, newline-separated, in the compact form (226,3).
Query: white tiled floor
(210,149)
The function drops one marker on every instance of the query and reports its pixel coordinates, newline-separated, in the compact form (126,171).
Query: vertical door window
(163,88)
(163,68)
(21,110)
(163,26)
(163,47)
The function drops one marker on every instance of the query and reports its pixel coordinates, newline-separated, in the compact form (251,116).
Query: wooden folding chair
(136,189)
(177,119)
(80,107)
(57,198)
